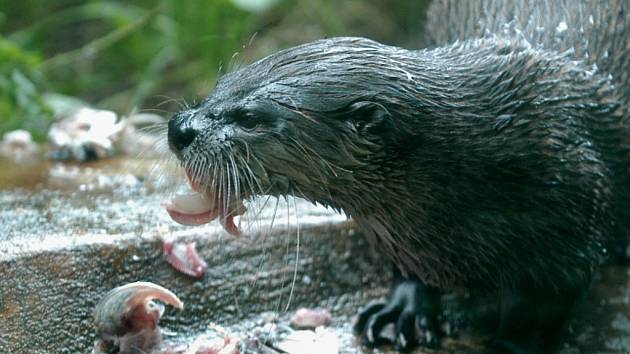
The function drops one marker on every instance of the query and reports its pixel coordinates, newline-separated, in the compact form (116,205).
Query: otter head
(311,121)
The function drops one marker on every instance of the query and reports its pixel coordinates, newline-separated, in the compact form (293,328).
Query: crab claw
(127,317)
(185,258)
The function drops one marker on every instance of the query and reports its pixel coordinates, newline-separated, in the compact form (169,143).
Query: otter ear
(369,117)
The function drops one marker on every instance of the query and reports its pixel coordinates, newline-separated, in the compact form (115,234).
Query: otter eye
(245,119)
(248,120)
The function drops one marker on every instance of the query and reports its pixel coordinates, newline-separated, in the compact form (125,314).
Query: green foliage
(21,102)
(114,54)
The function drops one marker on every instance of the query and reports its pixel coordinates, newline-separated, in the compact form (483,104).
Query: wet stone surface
(70,233)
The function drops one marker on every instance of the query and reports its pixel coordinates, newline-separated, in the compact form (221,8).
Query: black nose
(180,134)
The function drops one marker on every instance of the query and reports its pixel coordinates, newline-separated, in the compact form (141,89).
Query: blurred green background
(150,55)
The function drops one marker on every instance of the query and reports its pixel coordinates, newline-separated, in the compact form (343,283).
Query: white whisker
(297,254)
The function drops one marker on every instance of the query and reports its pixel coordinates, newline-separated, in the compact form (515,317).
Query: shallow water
(69,233)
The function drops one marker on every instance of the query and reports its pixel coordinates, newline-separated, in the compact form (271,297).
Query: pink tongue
(198,209)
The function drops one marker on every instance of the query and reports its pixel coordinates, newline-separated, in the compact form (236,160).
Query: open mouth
(203,206)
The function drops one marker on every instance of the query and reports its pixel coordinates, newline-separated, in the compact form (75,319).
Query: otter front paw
(412,309)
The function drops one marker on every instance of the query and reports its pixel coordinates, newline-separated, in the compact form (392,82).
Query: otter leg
(532,318)
(411,305)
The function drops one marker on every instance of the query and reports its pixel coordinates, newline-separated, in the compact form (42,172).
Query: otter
(495,159)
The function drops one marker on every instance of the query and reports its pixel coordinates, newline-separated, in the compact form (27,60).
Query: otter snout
(180,133)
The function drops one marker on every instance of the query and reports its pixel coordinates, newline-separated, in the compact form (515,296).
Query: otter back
(589,31)
(594,31)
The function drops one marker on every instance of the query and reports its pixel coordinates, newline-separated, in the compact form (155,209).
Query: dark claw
(365,314)
(407,337)
(127,317)
(427,325)
(411,309)
(378,321)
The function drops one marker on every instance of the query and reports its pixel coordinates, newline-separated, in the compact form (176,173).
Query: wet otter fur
(497,160)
